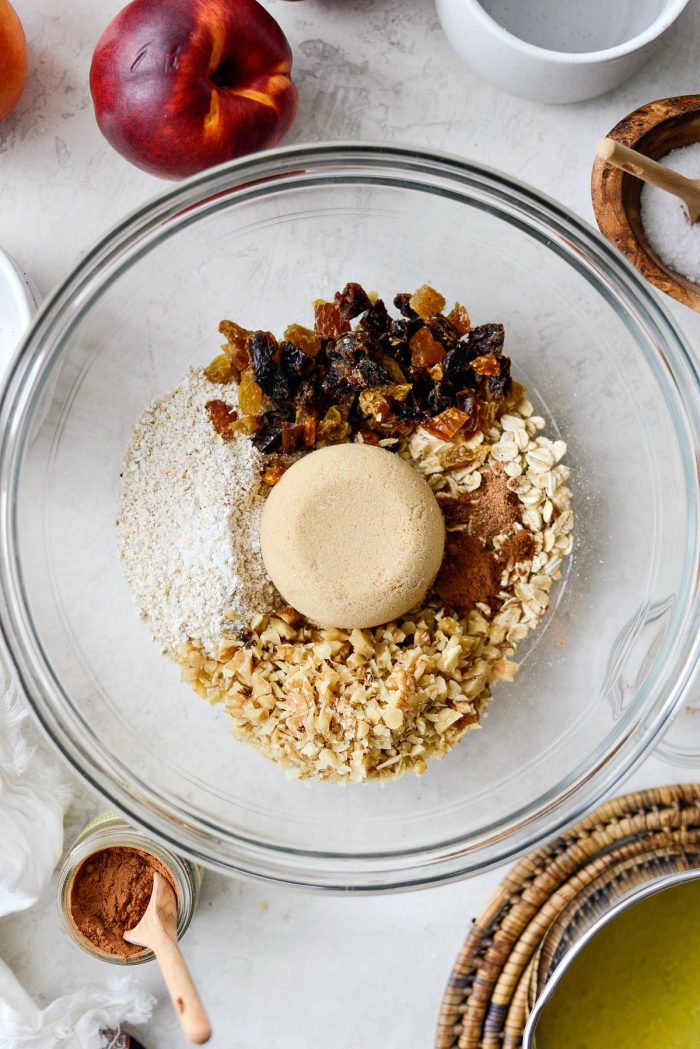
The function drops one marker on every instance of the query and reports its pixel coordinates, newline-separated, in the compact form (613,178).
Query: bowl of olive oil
(631,980)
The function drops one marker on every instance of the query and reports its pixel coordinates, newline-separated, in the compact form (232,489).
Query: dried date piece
(426,301)
(459,318)
(486,365)
(425,349)
(447,425)
(327,320)
(222,417)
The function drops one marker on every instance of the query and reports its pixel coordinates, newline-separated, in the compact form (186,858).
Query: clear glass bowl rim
(270,172)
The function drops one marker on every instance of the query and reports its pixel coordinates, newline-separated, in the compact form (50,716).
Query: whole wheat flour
(188,521)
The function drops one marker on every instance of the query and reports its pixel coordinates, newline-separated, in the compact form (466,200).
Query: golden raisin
(236,345)
(221,370)
(456,456)
(306,339)
(249,394)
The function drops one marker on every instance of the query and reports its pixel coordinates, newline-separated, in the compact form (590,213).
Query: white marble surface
(279,969)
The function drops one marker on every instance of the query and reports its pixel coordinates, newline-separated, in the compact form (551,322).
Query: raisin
(468,403)
(456,368)
(293,361)
(486,338)
(267,374)
(441,329)
(350,346)
(236,347)
(268,438)
(439,398)
(402,301)
(497,387)
(376,320)
(307,395)
(367,373)
(457,456)
(352,301)
(375,404)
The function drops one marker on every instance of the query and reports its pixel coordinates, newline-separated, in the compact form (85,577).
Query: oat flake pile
(334,703)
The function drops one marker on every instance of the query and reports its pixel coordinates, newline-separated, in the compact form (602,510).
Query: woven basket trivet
(485,1005)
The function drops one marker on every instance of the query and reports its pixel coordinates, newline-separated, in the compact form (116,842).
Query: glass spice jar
(110,830)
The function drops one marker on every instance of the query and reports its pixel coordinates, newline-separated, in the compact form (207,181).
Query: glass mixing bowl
(257,241)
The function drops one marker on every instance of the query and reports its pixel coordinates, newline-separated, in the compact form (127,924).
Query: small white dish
(556,50)
(19,301)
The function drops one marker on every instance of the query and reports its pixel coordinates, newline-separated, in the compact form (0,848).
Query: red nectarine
(13,59)
(180,85)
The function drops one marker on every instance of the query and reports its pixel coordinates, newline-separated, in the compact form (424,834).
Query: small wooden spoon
(634,163)
(158,931)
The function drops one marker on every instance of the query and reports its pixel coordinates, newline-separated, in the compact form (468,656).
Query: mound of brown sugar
(110,894)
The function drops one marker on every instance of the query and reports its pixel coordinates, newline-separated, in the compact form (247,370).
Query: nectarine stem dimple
(224,75)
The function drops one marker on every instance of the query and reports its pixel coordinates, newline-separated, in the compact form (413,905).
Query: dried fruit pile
(377,380)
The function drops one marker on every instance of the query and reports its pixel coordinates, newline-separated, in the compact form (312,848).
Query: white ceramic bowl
(556,50)
(19,301)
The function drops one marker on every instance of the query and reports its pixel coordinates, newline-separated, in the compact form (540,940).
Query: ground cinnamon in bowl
(109,894)
(472,568)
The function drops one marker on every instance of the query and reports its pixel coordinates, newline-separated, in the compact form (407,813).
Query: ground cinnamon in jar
(109,895)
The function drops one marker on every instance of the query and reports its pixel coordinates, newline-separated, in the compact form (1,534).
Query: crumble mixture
(334,704)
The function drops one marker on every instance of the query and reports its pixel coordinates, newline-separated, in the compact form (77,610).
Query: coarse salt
(669,230)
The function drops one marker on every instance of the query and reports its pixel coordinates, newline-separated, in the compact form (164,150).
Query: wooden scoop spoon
(158,931)
(634,163)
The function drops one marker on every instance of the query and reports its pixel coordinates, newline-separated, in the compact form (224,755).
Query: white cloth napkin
(32,802)
(33,798)
(73,1022)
